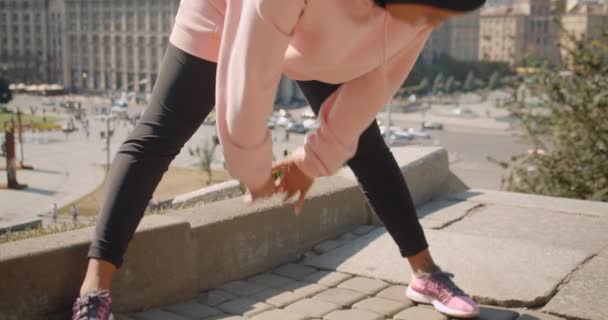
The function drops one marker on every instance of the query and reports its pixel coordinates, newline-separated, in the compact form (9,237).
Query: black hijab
(453,5)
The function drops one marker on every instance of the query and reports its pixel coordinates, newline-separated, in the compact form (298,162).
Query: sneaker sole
(422,298)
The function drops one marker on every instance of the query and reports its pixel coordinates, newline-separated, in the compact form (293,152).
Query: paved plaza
(522,257)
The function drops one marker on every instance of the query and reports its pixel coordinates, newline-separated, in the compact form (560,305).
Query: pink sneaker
(438,289)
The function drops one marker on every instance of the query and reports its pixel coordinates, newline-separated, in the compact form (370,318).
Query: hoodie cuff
(323,154)
(250,165)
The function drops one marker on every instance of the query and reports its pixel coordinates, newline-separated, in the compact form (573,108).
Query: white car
(283,121)
(418,134)
(271,123)
(392,129)
(310,124)
(308,114)
(432,125)
(397,140)
(463,111)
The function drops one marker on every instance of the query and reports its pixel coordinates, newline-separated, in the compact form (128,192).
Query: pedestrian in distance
(348,57)
(54,212)
(74,214)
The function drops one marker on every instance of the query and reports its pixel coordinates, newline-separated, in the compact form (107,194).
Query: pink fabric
(352,42)
(430,287)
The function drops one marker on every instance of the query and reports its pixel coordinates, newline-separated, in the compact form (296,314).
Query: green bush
(568,130)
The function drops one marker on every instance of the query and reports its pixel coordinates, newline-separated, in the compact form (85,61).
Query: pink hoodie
(352,42)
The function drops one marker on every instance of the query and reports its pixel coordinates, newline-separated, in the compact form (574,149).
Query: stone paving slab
(215,297)
(157,314)
(553,228)
(244,306)
(535,315)
(365,229)
(491,313)
(353,314)
(438,214)
(328,278)
(295,271)
(227,317)
(604,253)
(382,306)
(419,313)
(312,307)
(327,246)
(271,280)
(364,285)
(593,208)
(395,293)
(585,295)
(506,271)
(305,289)
(192,310)
(278,314)
(242,288)
(341,297)
(277,298)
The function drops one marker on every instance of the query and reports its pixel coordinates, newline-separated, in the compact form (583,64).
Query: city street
(69,168)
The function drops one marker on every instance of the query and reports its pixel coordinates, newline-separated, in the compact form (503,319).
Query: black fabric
(183,96)
(454,5)
(380,177)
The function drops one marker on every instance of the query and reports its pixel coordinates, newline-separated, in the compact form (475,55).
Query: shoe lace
(444,283)
(93,306)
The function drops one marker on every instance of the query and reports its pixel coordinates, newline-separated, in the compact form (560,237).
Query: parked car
(392,129)
(308,114)
(416,133)
(310,124)
(396,140)
(120,104)
(296,128)
(462,111)
(271,124)
(283,121)
(432,125)
(284,113)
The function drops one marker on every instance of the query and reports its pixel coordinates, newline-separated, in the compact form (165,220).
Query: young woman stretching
(349,57)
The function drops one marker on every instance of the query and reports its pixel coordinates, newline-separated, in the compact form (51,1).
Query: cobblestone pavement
(299,292)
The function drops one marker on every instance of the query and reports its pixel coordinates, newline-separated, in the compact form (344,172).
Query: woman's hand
(292,180)
(265,191)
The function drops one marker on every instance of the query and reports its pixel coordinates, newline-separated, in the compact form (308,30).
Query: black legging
(183,96)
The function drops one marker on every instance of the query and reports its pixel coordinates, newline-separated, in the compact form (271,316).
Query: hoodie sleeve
(350,110)
(254,42)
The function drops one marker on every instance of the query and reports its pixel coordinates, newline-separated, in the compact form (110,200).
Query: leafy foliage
(567,130)
(205,157)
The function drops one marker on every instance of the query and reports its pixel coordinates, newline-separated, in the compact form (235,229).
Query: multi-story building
(458,38)
(520,30)
(112,45)
(95,45)
(24,43)
(588,19)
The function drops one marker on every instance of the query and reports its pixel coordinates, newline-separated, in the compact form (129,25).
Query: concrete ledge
(216,192)
(236,241)
(20,226)
(426,171)
(42,276)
